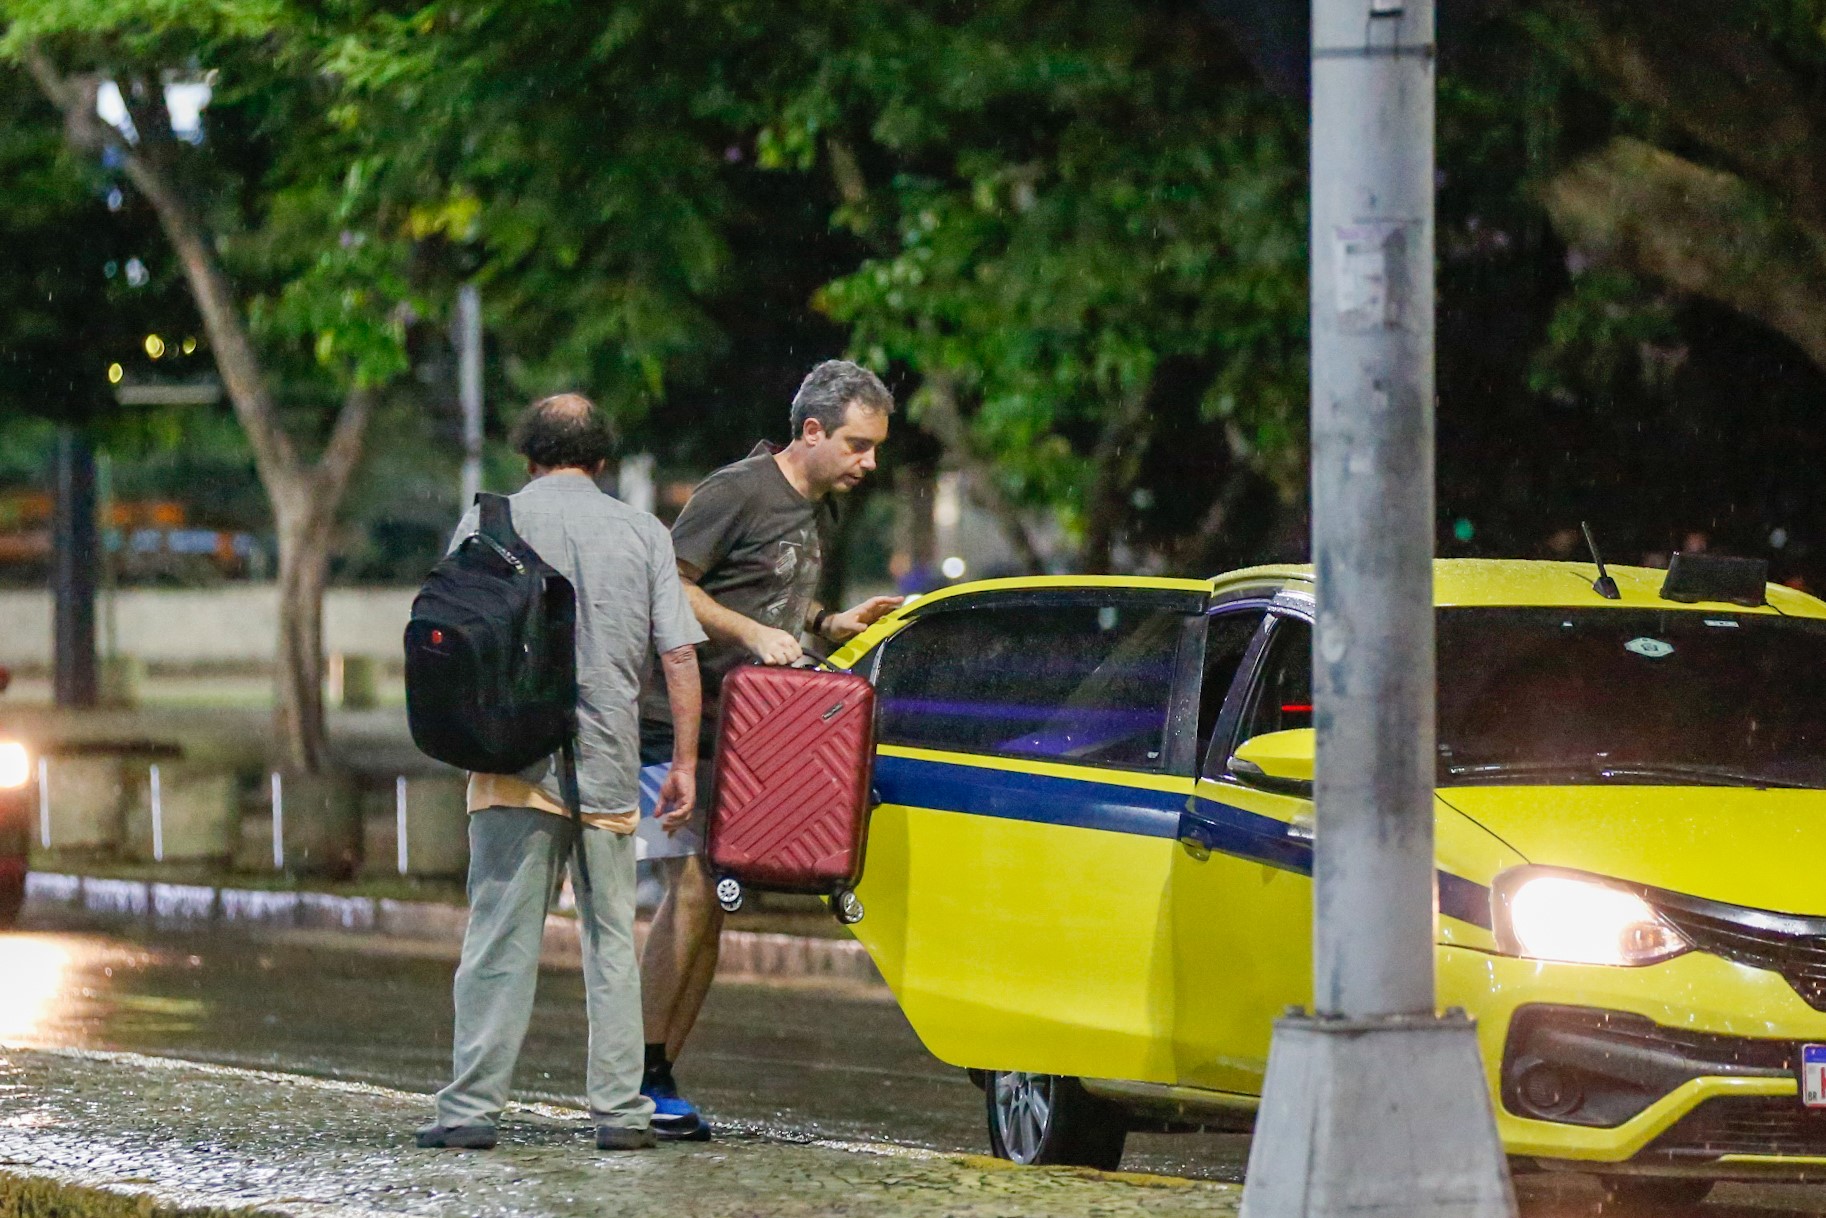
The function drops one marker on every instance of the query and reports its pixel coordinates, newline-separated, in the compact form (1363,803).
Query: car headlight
(1549,915)
(15,765)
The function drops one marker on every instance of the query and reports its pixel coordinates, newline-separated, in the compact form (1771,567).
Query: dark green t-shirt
(760,546)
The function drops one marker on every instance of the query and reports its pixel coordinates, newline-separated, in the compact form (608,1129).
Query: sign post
(1374,1103)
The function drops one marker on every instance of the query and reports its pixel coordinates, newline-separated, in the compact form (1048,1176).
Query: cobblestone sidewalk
(184,1135)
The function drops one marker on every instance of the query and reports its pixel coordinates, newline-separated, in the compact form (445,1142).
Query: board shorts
(651,841)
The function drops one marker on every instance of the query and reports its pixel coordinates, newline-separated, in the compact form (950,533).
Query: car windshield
(1697,698)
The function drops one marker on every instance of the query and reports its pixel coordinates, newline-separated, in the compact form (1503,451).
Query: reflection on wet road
(790,1061)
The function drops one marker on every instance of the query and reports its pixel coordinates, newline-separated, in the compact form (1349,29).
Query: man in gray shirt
(750,546)
(630,605)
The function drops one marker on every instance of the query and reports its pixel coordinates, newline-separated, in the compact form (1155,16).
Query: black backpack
(491,657)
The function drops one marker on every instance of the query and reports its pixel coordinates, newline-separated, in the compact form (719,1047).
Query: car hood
(1764,849)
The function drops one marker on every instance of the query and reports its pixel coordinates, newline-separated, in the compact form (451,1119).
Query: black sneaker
(622,1137)
(457,1137)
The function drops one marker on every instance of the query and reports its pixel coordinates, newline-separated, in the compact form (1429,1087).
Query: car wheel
(1049,1118)
(1652,1194)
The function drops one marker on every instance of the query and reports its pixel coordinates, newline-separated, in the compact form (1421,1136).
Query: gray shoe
(623,1137)
(457,1137)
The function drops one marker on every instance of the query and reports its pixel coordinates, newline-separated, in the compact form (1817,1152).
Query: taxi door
(1033,763)
(1242,879)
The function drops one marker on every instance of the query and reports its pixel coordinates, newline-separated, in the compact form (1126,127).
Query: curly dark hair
(564,431)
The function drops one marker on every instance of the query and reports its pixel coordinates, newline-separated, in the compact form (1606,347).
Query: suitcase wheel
(847,906)
(729,893)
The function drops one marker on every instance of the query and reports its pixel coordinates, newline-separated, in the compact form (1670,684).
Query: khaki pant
(514,859)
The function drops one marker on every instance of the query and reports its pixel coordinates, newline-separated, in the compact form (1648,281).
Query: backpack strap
(573,800)
(497,523)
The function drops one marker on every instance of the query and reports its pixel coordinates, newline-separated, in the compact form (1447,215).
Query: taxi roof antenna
(1604,585)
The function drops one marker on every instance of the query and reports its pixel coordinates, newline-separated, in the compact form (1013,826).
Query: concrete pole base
(1378,1118)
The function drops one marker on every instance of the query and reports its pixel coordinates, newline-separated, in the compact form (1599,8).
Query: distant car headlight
(1549,915)
(15,765)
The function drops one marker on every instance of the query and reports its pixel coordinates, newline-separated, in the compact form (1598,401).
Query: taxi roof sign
(1714,577)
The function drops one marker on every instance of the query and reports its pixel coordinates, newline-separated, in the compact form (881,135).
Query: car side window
(1282,697)
(1082,683)
(1226,644)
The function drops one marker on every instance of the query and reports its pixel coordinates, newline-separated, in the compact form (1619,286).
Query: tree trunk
(945,421)
(1199,552)
(915,536)
(1114,465)
(304,497)
(304,562)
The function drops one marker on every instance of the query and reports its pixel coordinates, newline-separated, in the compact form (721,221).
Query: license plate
(1813,1076)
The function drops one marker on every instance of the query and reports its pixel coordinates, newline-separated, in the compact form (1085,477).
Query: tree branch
(343,452)
(945,421)
(1692,63)
(1113,465)
(233,347)
(1703,231)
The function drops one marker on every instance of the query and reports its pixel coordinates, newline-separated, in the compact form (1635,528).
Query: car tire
(1652,1194)
(1051,1119)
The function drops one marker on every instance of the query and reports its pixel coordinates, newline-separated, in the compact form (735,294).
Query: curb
(187,906)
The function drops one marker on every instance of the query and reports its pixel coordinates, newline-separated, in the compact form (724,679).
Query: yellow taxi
(1089,875)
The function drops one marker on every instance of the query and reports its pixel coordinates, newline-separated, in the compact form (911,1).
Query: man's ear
(813,432)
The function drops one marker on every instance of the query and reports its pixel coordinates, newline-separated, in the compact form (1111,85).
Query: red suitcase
(795,759)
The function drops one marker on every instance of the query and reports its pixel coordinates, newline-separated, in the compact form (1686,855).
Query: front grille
(1792,946)
(1759,1125)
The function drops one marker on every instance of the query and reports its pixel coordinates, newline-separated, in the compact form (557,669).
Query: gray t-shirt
(630,607)
(759,544)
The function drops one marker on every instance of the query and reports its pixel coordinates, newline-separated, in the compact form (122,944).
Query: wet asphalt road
(790,1061)
(795,1061)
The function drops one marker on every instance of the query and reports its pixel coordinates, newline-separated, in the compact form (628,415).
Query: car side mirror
(1277,761)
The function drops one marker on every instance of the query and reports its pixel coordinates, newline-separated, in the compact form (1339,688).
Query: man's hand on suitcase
(772,646)
(677,795)
(842,627)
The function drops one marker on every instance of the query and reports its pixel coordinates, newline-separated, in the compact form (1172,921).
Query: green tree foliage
(298,265)
(1709,174)
(69,304)
(1077,230)
(1089,243)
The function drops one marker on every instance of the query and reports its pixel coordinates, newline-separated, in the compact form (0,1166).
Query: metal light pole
(469,386)
(75,559)
(1374,1104)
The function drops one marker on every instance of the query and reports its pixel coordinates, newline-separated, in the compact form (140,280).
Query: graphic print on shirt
(797,561)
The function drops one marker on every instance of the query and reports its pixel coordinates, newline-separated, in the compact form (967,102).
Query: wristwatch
(818,621)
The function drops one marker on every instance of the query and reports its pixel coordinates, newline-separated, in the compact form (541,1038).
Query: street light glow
(155,346)
(34,969)
(190,346)
(15,765)
(115,373)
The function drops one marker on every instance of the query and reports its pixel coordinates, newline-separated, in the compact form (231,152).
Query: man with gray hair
(630,607)
(750,547)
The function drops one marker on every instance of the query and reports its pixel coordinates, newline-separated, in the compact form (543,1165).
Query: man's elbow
(681,658)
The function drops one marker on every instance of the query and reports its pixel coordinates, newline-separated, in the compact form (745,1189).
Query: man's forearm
(685,693)
(722,625)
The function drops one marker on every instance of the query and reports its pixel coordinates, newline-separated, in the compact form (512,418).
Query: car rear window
(1080,683)
(1694,697)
